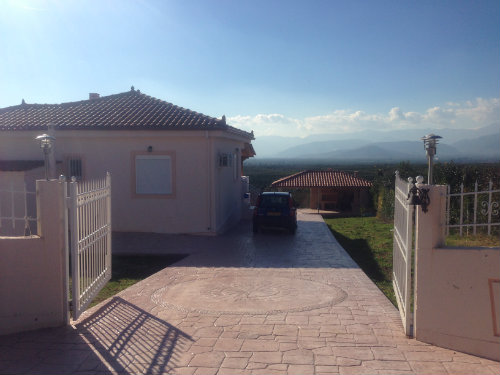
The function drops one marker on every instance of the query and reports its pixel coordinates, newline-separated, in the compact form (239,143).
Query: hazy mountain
(317,148)
(487,146)
(392,151)
(482,143)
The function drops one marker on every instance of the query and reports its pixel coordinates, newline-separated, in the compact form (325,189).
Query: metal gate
(402,252)
(89,214)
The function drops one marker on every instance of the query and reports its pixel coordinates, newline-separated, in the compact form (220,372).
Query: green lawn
(473,241)
(368,241)
(128,270)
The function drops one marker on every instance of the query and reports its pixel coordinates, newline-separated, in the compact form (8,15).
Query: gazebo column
(356,201)
(314,197)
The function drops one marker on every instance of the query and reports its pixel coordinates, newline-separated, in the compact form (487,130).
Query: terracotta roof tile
(321,179)
(130,110)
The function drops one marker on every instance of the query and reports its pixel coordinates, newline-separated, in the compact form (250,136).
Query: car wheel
(293,229)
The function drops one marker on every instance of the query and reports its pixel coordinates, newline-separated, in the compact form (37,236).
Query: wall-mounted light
(150,148)
(46,144)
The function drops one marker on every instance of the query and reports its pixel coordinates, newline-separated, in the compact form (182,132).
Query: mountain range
(482,144)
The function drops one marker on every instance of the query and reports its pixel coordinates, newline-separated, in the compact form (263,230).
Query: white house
(173,170)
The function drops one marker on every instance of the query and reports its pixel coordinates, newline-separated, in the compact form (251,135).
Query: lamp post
(430,142)
(46,143)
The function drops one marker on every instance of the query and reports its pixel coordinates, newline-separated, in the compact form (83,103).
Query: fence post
(108,217)
(429,235)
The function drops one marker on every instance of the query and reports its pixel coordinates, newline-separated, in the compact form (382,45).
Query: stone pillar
(429,235)
(51,209)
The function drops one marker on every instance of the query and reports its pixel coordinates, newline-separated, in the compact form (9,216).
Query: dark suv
(275,209)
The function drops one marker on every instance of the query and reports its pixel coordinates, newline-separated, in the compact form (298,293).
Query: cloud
(468,115)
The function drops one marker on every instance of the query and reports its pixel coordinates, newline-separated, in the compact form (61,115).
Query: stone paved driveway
(241,304)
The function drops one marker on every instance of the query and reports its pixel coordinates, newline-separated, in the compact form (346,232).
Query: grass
(128,270)
(473,241)
(368,241)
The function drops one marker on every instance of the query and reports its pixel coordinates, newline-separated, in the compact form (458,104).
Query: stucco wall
(453,305)
(32,270)
(205,196)
(458,311)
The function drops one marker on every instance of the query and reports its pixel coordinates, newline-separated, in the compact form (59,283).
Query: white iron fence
(468,211)
(17,210)
(402,252)
(89,211)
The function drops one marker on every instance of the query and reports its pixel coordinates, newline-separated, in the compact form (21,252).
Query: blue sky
(289,68)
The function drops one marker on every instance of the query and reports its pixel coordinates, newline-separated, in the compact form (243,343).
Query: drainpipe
(209,181)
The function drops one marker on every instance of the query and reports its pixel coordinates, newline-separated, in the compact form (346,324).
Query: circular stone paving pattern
(248,295)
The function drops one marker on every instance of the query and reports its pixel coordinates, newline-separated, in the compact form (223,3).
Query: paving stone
(252,320)
(205,341)
(456,368)
(326,369)
(266,357)
(387,365)
(358,370)
(297,319)
(300,369)
(184,371)
(235,363)
(287,346)
(388,354)
(258,329)
(430,356)
(197,349)
(277,367)
(267,372)
(435,368)
(227,320)
(228,345)
(325,350)
(238,354)
(362,354)
(311,343)
(259,346)
(285,330)
(212,359)
(208,332)
(233,371)
(299,357)
(325,360)
(206,371)
(342,361)
(256,366)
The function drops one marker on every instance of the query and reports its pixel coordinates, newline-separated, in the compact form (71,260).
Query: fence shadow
(130,340)
(118,338)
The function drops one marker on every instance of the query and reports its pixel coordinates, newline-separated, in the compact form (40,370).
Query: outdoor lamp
(46,143)
(430,142)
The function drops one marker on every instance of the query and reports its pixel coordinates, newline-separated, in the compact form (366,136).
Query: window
(74,167)
(223,160)
(153,174)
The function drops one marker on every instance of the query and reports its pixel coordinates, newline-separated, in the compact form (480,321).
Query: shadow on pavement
(117,338)
(313,246)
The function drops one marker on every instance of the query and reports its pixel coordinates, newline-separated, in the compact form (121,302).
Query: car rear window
(273,201)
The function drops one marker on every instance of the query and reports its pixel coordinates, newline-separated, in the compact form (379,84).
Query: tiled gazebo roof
(130,110)
(308,179)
